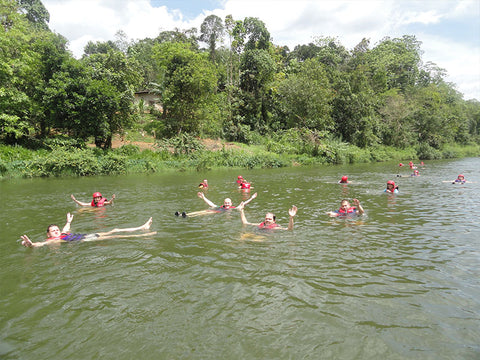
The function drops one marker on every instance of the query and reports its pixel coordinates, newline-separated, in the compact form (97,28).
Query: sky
(448,29)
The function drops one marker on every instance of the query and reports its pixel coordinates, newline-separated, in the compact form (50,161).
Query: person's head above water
(345,204)
(97,195)
(461,177)
(269,218)
(344,179)
(53,231)
(227,202)
(390,185)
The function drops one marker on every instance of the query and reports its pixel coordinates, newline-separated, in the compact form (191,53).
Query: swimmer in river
(203,184)
(227,205)
(55,236)
(98,200)
(459,180)
(391,188)
(346,209)
(270,219)
(245,185)
(344,180)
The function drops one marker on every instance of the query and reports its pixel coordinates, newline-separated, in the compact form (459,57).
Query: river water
(401,282)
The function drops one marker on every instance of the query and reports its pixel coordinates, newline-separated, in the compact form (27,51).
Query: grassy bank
(188,153)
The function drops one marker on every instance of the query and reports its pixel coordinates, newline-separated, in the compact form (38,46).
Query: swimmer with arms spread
(346,209)
(98,200)
(55,236)
(459,180)
(227,205)
(270,220)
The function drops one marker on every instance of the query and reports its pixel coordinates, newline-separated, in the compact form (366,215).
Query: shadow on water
(400,282)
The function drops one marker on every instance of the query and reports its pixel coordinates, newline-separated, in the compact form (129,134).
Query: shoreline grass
(19,162)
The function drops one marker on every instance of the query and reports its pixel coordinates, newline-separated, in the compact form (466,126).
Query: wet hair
(49,226)
(273,216)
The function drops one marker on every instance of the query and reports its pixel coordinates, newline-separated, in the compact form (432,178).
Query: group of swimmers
(391,187)
(54,235)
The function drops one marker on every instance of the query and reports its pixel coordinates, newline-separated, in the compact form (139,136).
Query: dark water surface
(401,282)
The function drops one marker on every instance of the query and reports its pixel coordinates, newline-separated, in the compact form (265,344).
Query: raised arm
(292,212)
(79,202)
(359,207)
(242,215)
(251,198)
(66,228)
(201,195)
(110,202)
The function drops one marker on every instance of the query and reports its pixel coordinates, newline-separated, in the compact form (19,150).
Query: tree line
(238,86)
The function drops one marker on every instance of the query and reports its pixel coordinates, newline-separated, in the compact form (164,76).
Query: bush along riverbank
(185,153)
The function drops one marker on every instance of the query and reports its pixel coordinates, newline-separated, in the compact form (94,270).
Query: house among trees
(148,99)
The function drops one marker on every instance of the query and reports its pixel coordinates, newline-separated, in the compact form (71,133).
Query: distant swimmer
(240,180)
(98,200)
(203,184)
(270,220)
(414,173)
(347,210)
(227,205)
(459,180)
(391,187)
(344,180)
(55,236)
(245,185)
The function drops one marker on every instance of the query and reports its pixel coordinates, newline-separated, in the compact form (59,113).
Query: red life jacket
(271,226)
(245,186)
(100,203)
(350,210)
(223,207)
(62,236)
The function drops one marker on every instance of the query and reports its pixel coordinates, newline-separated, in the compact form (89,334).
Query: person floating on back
(391,188)
(459,180)
(227,205)
(56,236)
(270,219)
(346,209)
(98,200)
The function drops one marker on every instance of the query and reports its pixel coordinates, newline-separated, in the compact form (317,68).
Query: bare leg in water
(145,226)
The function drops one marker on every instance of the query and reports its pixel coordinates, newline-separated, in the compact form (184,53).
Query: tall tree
(93,96)
(35,12)
(211,32)
(305,97)
(188,81)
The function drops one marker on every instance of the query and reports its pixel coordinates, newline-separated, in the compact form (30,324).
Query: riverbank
(201,155)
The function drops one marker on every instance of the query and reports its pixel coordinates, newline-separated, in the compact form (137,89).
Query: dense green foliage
(319,102)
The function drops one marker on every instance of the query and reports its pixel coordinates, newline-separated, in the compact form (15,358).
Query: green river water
(401,282)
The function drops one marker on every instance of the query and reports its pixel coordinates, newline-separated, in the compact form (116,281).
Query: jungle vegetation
(319,102)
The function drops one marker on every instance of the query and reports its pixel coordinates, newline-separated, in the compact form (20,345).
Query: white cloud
(290,23)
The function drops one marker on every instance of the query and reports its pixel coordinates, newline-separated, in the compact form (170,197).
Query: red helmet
(96,194)
(344,178)
(391,182)
(461,175)
(240,177)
